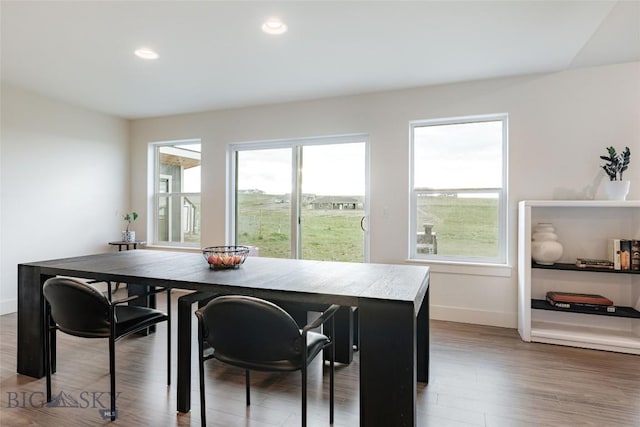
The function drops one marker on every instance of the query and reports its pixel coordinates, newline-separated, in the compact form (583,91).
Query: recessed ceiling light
(146,53)
(274,26)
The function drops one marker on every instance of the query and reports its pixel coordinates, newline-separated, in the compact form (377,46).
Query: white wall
(64,183)
(560,124)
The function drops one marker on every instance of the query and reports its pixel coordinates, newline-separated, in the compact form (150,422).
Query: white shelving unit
(583,228)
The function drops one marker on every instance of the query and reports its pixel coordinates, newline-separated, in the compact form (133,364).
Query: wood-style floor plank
(480,376)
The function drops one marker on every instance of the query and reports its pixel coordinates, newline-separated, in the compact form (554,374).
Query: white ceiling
(213,54)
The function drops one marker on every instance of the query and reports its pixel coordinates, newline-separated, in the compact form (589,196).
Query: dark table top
(341,283)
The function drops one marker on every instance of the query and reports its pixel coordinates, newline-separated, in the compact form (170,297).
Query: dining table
(392,302)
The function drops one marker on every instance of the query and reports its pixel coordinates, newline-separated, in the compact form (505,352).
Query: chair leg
(304,394)
(303,371)
(168,336)
(203,409)
(331,374)
(112,375)
(47,350)
(247,380)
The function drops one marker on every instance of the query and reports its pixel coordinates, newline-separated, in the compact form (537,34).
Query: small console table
(127,245)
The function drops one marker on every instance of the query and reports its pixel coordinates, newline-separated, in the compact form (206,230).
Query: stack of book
(635,255)
(594,263)
(624,254)
(587,302)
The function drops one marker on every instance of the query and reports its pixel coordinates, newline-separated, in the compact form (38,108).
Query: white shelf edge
(582,203)
(585,337)
(586,345)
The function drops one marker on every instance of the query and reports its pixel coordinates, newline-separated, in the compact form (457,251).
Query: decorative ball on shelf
(545,247)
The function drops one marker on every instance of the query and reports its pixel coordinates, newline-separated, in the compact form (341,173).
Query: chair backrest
(77,307)
(250,329)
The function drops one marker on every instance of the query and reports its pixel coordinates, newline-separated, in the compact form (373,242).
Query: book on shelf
(586,307)
(573,301)
(613,252)
(635,255)
(570,297)
(625,254)
(594,263)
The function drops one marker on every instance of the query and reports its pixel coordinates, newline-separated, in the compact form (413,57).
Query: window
(301,199)
(458,189)
(176,219)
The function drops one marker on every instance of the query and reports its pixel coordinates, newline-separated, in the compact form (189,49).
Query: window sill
(468,268)
(174,248)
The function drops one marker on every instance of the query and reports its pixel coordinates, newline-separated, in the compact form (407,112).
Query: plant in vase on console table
(129,236)
(616,188)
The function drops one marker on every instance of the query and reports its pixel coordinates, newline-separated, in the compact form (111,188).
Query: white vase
(617,190)
(129,236)
(545,248)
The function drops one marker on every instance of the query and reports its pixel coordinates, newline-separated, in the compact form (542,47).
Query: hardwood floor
(480,376)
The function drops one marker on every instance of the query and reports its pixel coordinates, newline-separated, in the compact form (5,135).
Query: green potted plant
(616,188)
(129,236)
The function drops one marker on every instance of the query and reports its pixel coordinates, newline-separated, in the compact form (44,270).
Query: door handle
(362,223)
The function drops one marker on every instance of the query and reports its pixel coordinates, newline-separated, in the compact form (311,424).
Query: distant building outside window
(459,189)
(177,206)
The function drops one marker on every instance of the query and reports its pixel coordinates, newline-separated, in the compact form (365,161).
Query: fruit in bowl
(225,257)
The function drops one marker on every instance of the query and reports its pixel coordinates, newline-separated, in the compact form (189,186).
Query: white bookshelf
(583,228)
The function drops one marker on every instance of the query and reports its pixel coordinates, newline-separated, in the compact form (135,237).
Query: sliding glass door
(302,199)
(263,201)
(333,202)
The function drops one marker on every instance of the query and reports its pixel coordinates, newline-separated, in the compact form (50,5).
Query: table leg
(423,339)
(388,341)
(185,317)
(343,341)
(31,322)
(356,329)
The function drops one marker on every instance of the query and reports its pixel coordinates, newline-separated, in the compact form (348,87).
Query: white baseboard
(8,306)
(437,312)
(478,317)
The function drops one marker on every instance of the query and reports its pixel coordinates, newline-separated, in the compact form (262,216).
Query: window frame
(502,191)
(154,155)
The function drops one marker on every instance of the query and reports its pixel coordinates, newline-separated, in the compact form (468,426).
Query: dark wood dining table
(392,300)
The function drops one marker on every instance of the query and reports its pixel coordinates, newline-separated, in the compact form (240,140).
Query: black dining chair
(78,308)
(255,334)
